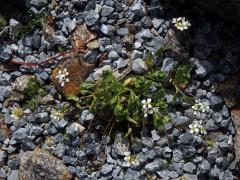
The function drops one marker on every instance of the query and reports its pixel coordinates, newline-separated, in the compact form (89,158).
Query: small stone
(148,142)
(168,65)
(216,103)
(189,177)
(27,145)
(69,25)
(39,3)
(40,117)
(155,135)
(146,22)
(97,75)
(204,167)
(139,66)
(14,27)
(91,56)
(91,18)
(186,139)
(5,92)
(113,55)
(189,167)
(156,165)
(214,173)
(93,45)
(167,153)
(13,175)
(75,129)
(138,9)
(106,29)
(177,156)
(136,54)
(69,160)
(145,34)
(188,151)
(157,22)
(87,116)
(106,10)
(20,134)
(223,146)
(122,31)
(4,56)
(106,169)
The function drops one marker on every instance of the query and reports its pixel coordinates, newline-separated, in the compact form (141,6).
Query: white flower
(196,128)
(146,103)
(17,113)
(62,77)
(147,107)
(181,23)
(200,107)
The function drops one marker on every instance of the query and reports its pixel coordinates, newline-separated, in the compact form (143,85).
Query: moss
(35,91)
(3,21)
(34,22)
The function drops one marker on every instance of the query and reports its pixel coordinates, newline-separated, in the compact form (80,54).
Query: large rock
(78,71)
(227,9)
(40,164)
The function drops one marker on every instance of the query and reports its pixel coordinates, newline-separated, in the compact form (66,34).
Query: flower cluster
(147,107)
(131,160)
(181,23)
(17,113)
(200,107)
(197,128)
(63,76)
(56,115)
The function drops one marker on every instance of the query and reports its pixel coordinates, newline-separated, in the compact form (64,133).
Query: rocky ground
(39,141)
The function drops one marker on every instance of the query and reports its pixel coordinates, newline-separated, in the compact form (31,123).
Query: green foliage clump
(34,22)
(121,100)
(35,91)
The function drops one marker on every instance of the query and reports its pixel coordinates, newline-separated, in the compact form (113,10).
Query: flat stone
(40,164)
(78,72)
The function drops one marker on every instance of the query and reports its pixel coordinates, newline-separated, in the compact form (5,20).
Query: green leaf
(73,98)
(132,120)
(128,133)
(114,100)
(149,58)
(183,74)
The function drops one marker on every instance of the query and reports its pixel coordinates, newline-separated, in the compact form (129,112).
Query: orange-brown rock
(235,115)
(40,164)
(81,36)
(78,71)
